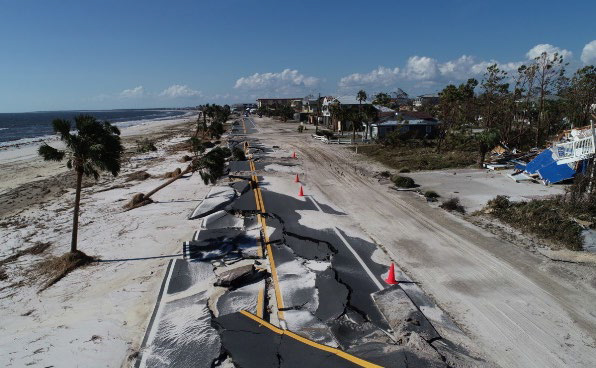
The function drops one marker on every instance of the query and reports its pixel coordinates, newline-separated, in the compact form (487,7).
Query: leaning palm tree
(94,147)
(360,96)
(210,167)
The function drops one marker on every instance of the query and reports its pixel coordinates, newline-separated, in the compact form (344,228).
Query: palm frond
(111,128)
(95,147)
(85,122)
(61,127)
(50,153)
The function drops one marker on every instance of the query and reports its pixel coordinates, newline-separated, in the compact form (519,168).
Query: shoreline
(25,166)
(122,125)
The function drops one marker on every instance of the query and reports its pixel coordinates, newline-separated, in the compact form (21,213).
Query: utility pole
(592,178)
(318,114)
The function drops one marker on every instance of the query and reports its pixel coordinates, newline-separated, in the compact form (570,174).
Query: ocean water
(19,128)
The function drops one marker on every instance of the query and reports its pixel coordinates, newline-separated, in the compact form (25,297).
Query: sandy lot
(97,313)
(475,187)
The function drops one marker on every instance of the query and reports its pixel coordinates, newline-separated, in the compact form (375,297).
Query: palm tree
(94,147)
(360,96)
(210,167)
(486,140)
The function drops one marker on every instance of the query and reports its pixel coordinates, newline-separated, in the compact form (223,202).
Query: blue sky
(131,54)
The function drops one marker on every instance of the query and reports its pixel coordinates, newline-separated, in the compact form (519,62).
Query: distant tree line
(525,108)
(521,109)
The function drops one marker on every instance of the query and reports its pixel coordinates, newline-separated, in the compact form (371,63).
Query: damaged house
(567,157)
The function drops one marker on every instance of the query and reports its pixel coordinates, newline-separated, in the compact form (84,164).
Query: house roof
(401,94)
(350,100)
(411,115)
(280,99)
(382,108)
(409,122)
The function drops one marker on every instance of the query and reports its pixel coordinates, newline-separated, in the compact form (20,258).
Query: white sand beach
(97,313)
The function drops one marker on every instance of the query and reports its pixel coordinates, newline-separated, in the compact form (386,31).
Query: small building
(342,102)
(417,127)
(428,99)
(310,109)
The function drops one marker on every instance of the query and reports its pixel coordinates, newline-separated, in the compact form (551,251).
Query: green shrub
(499,203)
(385,174)
(452,204)
(403,181)
(431,194)
(551,218)
(145,145)
(404,170)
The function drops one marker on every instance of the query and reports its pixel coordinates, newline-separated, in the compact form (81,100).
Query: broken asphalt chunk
(402,315)
(240,276)
(217,199)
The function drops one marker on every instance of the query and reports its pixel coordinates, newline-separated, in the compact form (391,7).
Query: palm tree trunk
(481,158)
(186,171)
(204,124)
(75,215)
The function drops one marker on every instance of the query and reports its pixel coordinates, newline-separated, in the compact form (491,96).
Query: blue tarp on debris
(546,167)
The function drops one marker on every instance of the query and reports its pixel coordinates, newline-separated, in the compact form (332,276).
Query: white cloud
(133,92)
(287,81)
(177,90)
(421,68)
(549,49)
(458,68)
(425,71)
(589,53)
(382,76)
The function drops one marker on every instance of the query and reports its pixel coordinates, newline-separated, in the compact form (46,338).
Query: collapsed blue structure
(545,166)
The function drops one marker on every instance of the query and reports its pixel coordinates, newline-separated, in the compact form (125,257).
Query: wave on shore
(35,135)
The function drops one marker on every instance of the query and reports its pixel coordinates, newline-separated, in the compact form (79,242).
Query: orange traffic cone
(297,180)
(293,154)
(301,192)
(391,277)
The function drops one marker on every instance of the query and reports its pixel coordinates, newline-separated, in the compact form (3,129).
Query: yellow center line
(243,125)
(261,296)
(261,208)
(260,302)
(339,353)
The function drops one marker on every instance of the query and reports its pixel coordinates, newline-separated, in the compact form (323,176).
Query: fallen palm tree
(210,166)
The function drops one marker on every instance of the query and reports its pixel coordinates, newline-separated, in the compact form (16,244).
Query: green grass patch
(417,158)
(550,219)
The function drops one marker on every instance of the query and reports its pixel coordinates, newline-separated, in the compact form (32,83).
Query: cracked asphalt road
(299,265)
